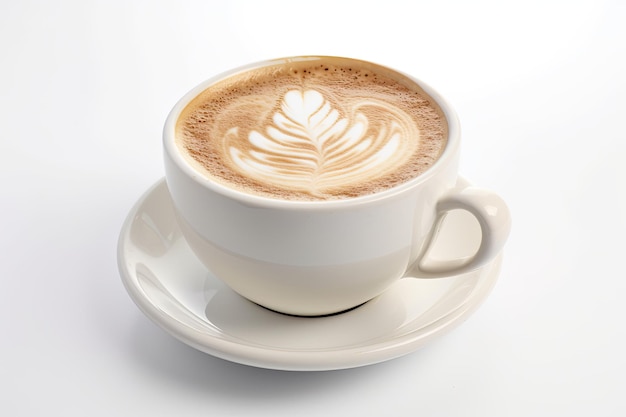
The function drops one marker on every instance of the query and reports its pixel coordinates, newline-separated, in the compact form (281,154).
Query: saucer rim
(381,349)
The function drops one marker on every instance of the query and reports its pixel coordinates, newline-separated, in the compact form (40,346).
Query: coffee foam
(324,129)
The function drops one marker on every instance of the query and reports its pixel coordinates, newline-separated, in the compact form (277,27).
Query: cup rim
(170,147)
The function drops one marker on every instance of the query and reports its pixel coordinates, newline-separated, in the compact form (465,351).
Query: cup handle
(494,219)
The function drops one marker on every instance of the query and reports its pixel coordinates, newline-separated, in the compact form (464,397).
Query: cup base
(315,315)
(298,290)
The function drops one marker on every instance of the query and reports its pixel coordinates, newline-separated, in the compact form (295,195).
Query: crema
(312,129)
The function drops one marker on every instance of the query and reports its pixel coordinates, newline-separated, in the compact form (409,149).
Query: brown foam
(249,100)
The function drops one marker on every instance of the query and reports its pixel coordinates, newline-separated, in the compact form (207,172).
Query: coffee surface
(312,129)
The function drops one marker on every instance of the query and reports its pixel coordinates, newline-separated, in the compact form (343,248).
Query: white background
(539,86)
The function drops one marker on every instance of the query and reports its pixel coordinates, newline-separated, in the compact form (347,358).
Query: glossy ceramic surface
(312,258)
(175,290)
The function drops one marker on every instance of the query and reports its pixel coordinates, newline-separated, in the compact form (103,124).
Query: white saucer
(173,289)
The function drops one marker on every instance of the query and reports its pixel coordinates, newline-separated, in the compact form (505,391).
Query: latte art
(313,128)
(308,146)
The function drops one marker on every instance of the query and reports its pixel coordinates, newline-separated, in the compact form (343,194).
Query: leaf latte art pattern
(314,145)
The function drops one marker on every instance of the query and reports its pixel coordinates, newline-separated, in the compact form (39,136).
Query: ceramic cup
(312,258)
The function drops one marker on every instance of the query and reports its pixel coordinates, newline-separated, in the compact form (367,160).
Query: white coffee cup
(315,258)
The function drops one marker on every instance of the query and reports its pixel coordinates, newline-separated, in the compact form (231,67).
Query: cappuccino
(312,128)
